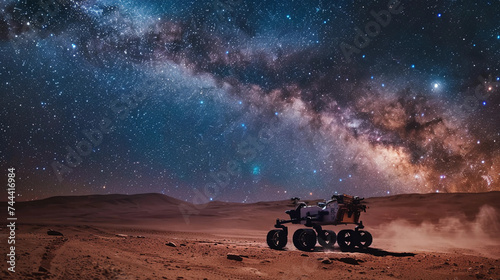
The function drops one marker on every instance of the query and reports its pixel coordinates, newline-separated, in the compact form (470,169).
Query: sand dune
(116,208)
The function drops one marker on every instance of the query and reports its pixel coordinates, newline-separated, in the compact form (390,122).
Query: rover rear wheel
(347,239)
(304,239)
(328,240)
(276,239)
(365,239)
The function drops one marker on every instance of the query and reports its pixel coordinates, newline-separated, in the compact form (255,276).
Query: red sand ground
(431,236)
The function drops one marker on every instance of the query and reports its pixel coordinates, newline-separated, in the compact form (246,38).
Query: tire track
(50,253)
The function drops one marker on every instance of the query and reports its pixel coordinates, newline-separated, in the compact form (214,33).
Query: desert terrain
(152,236)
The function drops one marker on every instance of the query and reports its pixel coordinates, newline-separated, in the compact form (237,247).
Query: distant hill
(167,212)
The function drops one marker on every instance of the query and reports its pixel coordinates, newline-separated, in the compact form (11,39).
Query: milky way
(248,101)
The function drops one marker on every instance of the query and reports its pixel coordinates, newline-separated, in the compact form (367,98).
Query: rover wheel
(304,239)
(347,239)
(328,240)
(364,239)
(276,239)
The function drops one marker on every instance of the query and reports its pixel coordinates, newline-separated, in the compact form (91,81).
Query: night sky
(246,101)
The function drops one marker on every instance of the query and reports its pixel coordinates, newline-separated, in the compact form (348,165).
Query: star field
(245,101)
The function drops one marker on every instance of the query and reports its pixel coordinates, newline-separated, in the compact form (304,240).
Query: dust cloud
(449,233)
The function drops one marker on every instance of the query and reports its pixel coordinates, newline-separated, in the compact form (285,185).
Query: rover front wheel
(276,239)
(347,239)
(328,239)
(304,239)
